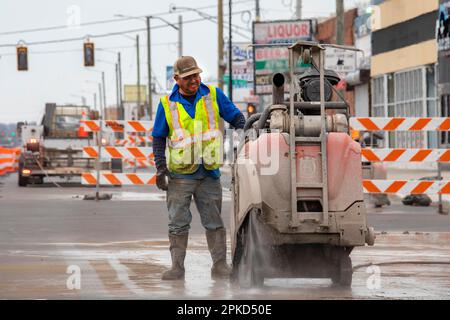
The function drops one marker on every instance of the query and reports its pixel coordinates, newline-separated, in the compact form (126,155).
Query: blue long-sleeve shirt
(227,110)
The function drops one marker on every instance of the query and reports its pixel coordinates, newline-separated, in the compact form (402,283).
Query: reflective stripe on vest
(208,104)
(206,136)
(176,123)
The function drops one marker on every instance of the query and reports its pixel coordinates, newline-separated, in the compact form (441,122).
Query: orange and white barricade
(139,163)
(127,150)
(117,125)
(406,186)
(119,152)
(405,155)
(8,160)
(118,179)
(400,124)
(133,141)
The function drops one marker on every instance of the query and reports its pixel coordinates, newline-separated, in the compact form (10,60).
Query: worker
(188,121)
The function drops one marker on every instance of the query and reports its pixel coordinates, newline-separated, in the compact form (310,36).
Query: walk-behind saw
(298,205)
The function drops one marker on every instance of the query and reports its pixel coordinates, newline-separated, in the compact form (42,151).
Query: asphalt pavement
(49,236)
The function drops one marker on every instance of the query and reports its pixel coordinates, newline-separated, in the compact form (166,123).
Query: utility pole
(298,9)
(220,44)
(258,13)
(138,77)
(180,35)
(230,52)
(340,21)
(95,101)
(122,112)
(117,92)
(149,69)
(104,95)
(258,19)
(101,100)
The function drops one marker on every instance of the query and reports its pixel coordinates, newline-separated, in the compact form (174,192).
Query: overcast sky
(56,72)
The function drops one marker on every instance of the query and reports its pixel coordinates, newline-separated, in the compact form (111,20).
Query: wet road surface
(51,242)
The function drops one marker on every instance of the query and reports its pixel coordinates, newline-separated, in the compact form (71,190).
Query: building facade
(403,66)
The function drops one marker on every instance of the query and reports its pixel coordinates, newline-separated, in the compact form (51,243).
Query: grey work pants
(207,194)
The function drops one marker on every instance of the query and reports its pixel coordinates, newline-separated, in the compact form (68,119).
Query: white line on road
(122,275)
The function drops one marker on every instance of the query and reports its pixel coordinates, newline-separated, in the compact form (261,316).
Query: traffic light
(251,109)
(22,58)
(89,54)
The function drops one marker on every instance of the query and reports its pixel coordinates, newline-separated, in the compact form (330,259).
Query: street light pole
(220,44)
(149,66)
(138,77)
(104,95)
(298,9)
(101,100)
(117,92)
(340,22)
(122,112)
(180,35)
(258,12)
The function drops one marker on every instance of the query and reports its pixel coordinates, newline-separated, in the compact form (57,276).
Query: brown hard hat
(185,66)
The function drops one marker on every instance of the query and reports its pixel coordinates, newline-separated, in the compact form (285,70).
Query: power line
(92,36)
(104,35)
(99,21)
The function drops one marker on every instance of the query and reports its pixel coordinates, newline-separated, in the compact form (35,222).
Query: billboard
(340,61)
(443,26)
(170,81)
(131,93)
(271,58)
(242,57)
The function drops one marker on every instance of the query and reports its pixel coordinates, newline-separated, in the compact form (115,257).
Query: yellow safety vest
(194,141)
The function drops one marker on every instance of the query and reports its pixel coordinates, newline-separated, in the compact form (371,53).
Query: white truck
(55,146)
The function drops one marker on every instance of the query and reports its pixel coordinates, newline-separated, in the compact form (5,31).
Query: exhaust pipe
(278,88)
(277,98)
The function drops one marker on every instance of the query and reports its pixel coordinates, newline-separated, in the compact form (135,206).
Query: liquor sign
(272,59)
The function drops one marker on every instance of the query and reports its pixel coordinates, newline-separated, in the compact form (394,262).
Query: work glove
(162,178)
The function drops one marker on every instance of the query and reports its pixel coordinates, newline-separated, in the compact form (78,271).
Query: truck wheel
(249,273)
(23,181)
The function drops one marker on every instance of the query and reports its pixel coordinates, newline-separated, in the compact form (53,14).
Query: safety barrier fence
(404,155)
(143,156)
(9,160)
(129,150)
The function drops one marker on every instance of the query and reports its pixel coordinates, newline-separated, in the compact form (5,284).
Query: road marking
(122,275)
